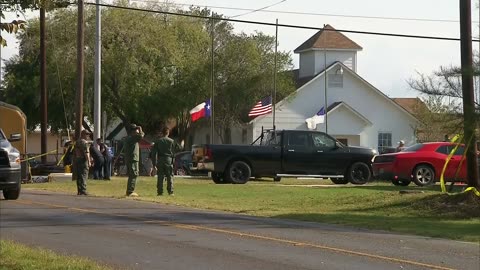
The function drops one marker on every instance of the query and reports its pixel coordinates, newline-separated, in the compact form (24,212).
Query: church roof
(328,38)
(412,105)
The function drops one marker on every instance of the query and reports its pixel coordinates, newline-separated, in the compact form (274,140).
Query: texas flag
(201,110)
(318,118)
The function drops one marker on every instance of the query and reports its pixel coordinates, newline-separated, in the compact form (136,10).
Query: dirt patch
(462,205)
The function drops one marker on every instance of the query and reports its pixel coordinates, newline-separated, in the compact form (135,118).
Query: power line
(309,13)
(280,25)
(256,10)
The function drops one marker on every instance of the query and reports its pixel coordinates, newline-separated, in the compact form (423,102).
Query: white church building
(358,114)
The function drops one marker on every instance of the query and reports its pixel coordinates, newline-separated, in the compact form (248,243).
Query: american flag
(262,107)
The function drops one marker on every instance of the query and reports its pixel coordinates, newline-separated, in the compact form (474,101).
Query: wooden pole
(80,71)
(468,92)
(43,88)
(325,82)
(274,96)
(212,79)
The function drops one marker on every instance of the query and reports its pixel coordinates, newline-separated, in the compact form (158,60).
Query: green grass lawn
(374,206)
(14,256)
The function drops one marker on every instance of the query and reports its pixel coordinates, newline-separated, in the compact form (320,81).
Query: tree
(445,83)
(20,6)
(436,119)
(155,68)
(22,77)
(245,76)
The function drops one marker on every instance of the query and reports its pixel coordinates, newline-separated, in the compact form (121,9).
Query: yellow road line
(247,235)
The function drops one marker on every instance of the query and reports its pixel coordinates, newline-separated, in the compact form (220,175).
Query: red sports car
(423,163)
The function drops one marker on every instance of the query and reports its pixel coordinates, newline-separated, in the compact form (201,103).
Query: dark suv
(10,172)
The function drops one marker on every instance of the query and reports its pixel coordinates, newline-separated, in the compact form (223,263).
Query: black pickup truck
(286,153)
(10,173)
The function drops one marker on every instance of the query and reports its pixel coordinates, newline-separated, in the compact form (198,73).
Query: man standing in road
(162,157)
(132,157)
(82,162)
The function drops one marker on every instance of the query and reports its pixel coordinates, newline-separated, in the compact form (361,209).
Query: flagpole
(325,75)
(212,84)
(274,96)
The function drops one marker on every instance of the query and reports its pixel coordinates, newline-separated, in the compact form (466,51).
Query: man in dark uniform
(98,160)
(132,157)
(107,156)
(162,155)
(82,162)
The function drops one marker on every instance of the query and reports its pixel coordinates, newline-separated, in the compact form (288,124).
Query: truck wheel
(238,172)
(277,178)
(218,178)
(11,194)
(423,175)
(358,173)
(339,181)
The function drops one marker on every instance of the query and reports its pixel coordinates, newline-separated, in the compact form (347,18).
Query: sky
(386,62)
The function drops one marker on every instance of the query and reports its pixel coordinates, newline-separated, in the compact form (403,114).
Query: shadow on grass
(387,187)
(432,227)
(459,206)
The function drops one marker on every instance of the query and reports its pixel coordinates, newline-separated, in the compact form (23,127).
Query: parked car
(286,153)
(421,163)
(10,168)
(182,165)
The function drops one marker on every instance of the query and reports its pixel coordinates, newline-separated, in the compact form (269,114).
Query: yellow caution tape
(442,179)
(455,138)
(41,155)
(61,159)
(474,190)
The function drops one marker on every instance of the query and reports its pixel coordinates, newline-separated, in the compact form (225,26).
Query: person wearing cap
(132,157)
(162,154)
(82,162)
(401,146)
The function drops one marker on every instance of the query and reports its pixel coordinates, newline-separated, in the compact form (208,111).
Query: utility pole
(80,53)
(43,88)
(325,83)
(1,61)
(468,92)
(274,96)
(212,82)
(97,114)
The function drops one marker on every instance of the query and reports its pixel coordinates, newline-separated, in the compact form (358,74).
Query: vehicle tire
(358,173)
(277,178)
(339,181)
(11,194)
(402,183)
(238,172)
(423,175)
(218,178)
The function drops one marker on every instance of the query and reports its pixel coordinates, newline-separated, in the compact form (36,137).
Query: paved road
(131,234)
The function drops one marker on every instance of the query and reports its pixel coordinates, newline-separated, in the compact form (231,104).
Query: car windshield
(413,148)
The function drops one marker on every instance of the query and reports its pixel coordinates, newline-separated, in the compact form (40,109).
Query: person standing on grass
(162,154)
(107,158)
(132,157)
(82,162)
(98,160)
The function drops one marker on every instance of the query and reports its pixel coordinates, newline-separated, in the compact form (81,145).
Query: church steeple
(337,47)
